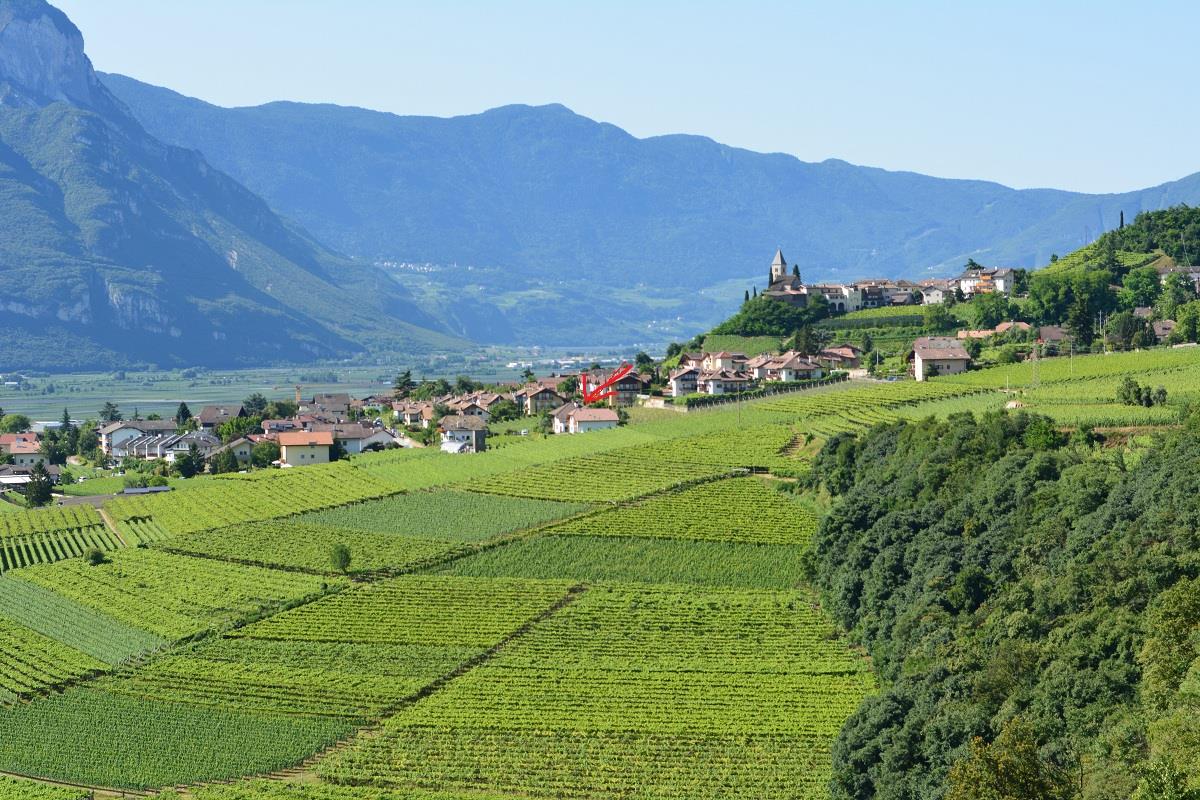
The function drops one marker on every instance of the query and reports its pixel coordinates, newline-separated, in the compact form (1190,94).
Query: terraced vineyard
(633,693)
(732,510)
(44,548)
(614,616)
(602,478)
(260,496)
(173,596)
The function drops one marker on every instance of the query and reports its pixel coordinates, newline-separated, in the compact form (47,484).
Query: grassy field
(618,616)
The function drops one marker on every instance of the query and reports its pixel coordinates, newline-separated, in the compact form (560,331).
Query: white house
(462,434)
(583,420)
(938,355)
(683,381)
(722,382)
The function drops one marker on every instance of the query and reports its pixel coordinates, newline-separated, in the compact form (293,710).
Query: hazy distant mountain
(548,193)
(116,247)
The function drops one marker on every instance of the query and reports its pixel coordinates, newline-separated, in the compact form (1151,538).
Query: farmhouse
(682,381)
(535,399)
(722,382)
(582,420)
(213,417)
(786,367)
(841,356)
(24,454)
(560,418)
(462,434)
(300,448)
(240,447)
(938,355)
(626,390)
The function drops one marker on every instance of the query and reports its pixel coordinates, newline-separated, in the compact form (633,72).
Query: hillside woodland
(1031,603)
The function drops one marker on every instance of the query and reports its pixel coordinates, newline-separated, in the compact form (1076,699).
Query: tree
(1122,327)
(937,319)
(337,451)
(1009,768)
(110,413)
(339,558)
(643,362)
(237,427)
(1177,289)
(255,405)
(68,432)
(528,375)
(504,411)
(94,556)
(224,461)
(746,299)
(973,347)
(1162,780)
(264,453)
(866,342)
(14,423)
(569,385)
(191,463)
(1141,287)
(40,489)
(989,309)
(182,414)
(464,385)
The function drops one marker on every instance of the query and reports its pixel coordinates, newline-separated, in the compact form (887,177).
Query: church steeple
(778,266)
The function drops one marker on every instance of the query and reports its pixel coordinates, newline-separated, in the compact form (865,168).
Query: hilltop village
(792,337)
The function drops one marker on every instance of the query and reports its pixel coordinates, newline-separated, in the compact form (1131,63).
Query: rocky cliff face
(141,247)
(42,59)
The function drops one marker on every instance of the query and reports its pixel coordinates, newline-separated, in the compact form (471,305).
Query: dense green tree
(992,568)
(190,463)
(182,414)
(1009,768)
(766,316)
(39,490)
(504,411)
(223,462)
(14,423)
(237,427)
(255,405)
(938,319)
(1141,287)
(264,453)
(110,413)
(339,558)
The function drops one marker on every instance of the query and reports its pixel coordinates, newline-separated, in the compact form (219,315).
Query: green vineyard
(622,615)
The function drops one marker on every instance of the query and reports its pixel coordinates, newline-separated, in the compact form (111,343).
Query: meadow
(623,614)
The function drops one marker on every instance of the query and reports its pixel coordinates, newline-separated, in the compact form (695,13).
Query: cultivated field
(622,614)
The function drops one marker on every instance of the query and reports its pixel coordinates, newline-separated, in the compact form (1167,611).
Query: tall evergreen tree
(39,490)
(182,414)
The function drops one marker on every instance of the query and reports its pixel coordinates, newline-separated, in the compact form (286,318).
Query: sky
(1087,95)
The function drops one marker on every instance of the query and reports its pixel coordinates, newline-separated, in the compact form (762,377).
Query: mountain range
(143,225)
(116,248)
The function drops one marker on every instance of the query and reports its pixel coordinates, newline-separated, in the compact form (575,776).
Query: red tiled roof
(305,438)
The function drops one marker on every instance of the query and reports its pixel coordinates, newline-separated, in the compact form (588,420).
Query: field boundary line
(111,525)
(95,791)
(305,767)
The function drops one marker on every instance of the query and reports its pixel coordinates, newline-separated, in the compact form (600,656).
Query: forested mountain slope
(570,211)
(116,247)
(1040,594)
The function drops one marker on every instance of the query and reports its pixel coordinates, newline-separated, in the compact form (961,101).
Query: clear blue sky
(1088,95)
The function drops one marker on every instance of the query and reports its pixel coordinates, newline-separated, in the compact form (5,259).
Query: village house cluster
(730,373)
(857,295)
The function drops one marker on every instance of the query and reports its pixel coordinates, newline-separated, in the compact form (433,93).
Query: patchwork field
(621,615)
